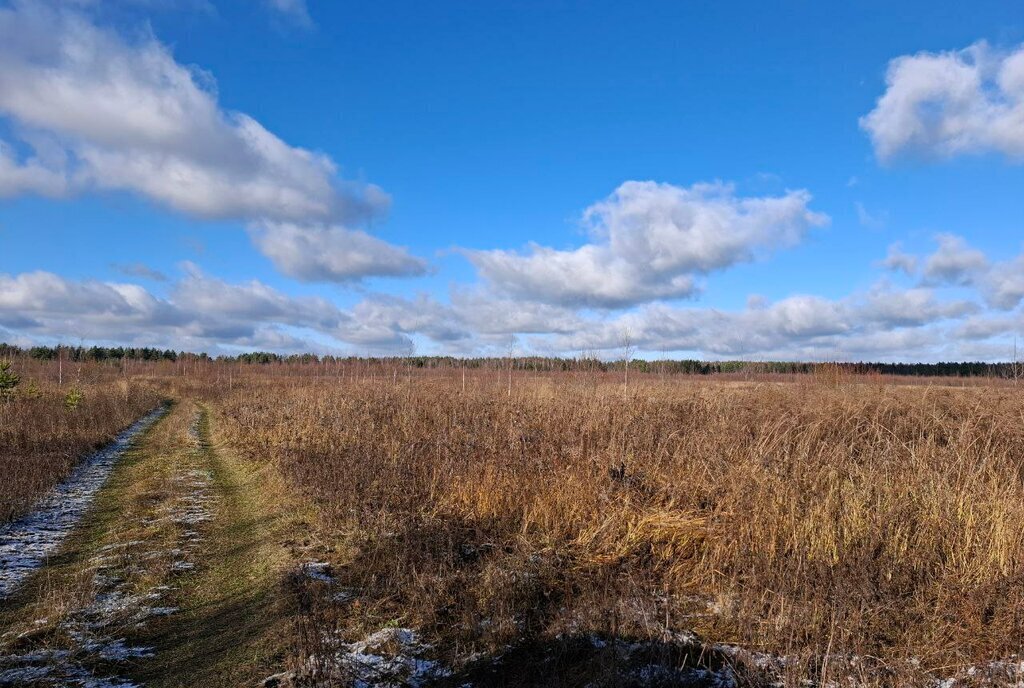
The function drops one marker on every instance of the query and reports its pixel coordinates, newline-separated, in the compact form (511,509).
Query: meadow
(823,527)
(53,418)
(825,520)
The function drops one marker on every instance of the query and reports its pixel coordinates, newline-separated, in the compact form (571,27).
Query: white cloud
(954,262)
(252,301)
(869,220)
(1004,284)
(203,312)
(489,314)
(912,307)
(31,175)
(951,103)
(756,302)
(392,316)
(124,115)
(986,326)
(140,270)
(43,292)
(651,241)
(884,322)
(898,261)
(332,253)
(294,10)
(200,312)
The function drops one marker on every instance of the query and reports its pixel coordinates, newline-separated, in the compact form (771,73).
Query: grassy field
(569,531)
(49,423)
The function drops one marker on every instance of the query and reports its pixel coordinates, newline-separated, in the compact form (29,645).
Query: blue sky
(722,180)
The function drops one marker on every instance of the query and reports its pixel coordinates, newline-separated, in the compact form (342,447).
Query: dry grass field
(824,528)
(47,425)
(849,527)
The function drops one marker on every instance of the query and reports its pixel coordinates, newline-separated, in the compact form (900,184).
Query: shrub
(73,399)
(31,390)
(8,380)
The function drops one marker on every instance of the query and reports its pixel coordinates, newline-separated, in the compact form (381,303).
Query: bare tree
(626,342)
(511,352)
(1016,366)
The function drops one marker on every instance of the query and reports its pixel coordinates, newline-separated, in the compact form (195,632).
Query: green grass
(234,620)
(234,617)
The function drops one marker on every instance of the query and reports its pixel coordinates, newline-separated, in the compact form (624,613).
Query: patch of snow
(317,570)
(343,596)
(88,630)
(660,675)
(117,651)
(25,544)
(1003,672)
(23,675)
(389,658)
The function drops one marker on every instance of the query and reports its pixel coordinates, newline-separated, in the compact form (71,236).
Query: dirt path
(233,625)
(172,579)
(26,543)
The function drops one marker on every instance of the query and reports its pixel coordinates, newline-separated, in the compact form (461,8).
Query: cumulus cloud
(898,261)
(986,326)
(206,312)
(53,306)
(380,318)
(950,103)
(801,327)
(203,312)
(49,303)
(488,314)
(29,176)
(1004,284)
(911,307)
(124,115)
(252,301)
(332,253)
(650,241)
(954,262)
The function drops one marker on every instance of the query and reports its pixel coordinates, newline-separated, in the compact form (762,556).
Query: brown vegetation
(46,428)
(821,519)
(855,525)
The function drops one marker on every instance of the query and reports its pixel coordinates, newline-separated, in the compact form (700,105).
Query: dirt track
(172,578)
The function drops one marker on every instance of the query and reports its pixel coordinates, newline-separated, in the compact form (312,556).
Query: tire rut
(78,630)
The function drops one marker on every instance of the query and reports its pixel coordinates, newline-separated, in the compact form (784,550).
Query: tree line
(95,353)
(582,363)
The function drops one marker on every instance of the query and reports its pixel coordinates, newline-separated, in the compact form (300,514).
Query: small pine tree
(31,390)
(73,399)
(8,380)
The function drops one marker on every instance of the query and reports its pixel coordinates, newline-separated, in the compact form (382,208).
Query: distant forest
(528,363)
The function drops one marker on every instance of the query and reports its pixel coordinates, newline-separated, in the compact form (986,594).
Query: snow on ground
(88,635)
(389,658)
(26,543)
(317,570)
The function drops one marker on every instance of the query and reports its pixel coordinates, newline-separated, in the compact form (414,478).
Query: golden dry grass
(822,517)
(41,440)
(847,522)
